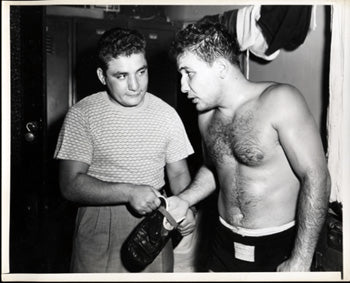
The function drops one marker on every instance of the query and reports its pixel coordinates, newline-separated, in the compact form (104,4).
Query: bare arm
(79,187)
(178,176)
(201,187)
(204,183)
(300,139)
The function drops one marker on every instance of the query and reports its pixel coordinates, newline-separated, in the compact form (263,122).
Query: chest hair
(236,138)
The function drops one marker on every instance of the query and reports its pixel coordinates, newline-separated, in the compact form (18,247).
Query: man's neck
(237,91)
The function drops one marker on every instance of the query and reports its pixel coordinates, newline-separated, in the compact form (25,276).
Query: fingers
(156,202)
(157,193)
(147,207)
(186,230)
(153,201)
(145,200)
(187,226)
(152,205)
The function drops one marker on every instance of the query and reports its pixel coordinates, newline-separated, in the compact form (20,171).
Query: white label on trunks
(244,252)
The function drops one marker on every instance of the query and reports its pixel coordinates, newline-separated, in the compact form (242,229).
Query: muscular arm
(202,186)
(204,182)
(299,137)
(79,187)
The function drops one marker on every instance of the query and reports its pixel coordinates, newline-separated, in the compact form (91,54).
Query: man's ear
(221,66)
(101,76)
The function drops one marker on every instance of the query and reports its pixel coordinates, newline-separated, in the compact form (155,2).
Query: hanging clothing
(249,35)
(229,19)
(284,26)
(263,30)
(241,23)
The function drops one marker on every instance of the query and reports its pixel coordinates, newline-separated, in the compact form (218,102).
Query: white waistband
(257,232)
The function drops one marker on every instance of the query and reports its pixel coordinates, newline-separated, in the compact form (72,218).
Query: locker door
(162,70)
(60,216)
(28,145)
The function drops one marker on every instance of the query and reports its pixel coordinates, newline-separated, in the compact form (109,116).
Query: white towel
(249,34)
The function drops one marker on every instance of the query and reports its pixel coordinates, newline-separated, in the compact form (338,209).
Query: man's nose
(133,83)
(184,85)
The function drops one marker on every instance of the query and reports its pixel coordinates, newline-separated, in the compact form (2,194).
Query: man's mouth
(134,94)
(193,98)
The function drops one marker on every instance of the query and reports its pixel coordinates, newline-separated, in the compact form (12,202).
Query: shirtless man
(263,151)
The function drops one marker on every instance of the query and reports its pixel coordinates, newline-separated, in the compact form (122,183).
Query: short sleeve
(74,140)
(179,146)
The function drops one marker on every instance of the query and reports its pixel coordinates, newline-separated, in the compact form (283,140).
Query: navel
(237,216)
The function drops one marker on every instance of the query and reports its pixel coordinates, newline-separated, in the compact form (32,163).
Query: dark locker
(163,80)
(86,34)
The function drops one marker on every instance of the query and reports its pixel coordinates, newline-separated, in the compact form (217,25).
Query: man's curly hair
(119,42)
(208,40)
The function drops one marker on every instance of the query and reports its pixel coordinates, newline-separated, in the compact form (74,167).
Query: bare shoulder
(286,106)
(282,94)
(284,99)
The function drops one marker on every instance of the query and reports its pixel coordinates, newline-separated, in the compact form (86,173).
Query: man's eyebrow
(143,67)
(125,73)
(182,68)
(120,73)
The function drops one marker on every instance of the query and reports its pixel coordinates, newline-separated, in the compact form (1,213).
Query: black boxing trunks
(242,252)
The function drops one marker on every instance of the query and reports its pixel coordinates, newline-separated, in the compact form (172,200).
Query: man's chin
(203,109)
(134,102)
(200,108)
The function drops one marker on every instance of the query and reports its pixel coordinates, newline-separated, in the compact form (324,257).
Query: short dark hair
(208,40)
(117,42)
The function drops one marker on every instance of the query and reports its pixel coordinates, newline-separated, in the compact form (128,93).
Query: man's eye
(190,74)
(143,71)
(120,77)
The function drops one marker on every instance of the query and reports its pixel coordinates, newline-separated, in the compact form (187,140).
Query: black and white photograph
(175,141)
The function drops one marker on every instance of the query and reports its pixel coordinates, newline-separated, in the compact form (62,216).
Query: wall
(302,68)
(192,13)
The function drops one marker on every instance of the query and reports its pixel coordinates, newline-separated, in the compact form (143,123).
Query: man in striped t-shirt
(114,147)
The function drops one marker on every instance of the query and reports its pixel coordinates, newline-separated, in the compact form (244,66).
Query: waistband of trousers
(257,232)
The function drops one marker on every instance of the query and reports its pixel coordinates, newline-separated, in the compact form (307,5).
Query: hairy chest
(244,138)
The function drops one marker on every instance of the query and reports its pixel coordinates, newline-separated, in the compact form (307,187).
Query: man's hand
(178,208)
(188,225)
(291,266)
(144,199)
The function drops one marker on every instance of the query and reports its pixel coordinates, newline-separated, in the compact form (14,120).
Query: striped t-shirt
(129,145)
